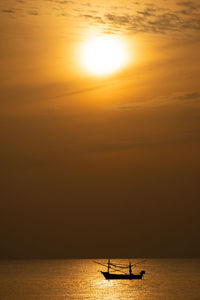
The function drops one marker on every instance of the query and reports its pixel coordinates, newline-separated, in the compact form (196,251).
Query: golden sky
(76,141)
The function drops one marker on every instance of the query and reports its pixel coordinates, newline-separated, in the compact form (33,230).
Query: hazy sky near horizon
(99,165)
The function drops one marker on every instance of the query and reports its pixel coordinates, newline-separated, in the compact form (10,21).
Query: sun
(103,55)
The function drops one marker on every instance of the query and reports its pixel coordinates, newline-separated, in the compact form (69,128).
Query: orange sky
(77,149)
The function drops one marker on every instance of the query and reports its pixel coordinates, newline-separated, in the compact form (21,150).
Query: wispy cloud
(8,11)
(33,12)
(152,19)
(63,2)
(176,98)
(190,96)
(138,17)
(189,5)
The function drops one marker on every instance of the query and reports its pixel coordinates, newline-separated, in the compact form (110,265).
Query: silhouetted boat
(120,268)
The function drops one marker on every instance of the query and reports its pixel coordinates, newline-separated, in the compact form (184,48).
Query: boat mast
(108,265)
(130,268)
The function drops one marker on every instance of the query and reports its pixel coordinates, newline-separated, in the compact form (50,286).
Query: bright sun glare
(104,55)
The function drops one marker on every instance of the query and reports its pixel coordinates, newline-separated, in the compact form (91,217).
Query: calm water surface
(80,279)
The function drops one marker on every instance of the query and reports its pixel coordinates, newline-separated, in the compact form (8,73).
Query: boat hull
(122,276)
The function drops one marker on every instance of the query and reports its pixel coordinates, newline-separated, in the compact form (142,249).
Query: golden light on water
(104,55)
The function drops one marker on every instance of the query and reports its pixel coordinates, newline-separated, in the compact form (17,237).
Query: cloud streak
(8,11)
(176,98)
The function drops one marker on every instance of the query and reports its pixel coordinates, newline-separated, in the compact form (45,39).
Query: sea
(80,279)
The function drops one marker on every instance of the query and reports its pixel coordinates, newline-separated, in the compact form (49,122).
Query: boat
(121,268)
